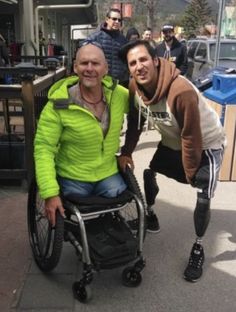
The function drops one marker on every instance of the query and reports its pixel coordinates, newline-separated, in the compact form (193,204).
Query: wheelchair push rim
(131,213)
(46,241)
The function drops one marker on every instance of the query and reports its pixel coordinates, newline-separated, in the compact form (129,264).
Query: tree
(195,17)
(151,6)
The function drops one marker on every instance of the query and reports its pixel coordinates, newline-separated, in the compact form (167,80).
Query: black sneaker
(194,268)
(152,223)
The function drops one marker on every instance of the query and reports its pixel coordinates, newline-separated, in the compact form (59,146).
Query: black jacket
(178,54)
(111,42)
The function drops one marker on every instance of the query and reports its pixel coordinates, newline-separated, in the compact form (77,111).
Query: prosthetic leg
(201,220)
(201,216)
(151,190)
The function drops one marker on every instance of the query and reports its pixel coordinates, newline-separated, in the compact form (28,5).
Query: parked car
(201,55)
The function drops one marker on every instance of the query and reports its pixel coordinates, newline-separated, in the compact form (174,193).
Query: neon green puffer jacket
(69,140)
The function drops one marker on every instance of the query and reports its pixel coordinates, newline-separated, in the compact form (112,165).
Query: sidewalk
(24,288)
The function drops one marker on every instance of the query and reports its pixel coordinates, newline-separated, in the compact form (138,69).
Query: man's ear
(155,60)
(75,67)
(106,69)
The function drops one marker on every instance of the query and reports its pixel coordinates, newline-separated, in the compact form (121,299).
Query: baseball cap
(167,27)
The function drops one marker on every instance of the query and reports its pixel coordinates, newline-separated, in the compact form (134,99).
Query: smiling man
(111,39)
(173,50)
(192,137)
(78,133)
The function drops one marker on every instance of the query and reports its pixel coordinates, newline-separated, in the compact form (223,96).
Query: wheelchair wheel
(131,212)
(82,293)
(46,241)
(131,278)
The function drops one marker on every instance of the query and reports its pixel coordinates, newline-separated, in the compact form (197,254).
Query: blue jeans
(109,187)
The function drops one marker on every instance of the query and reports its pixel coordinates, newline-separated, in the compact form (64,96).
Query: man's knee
(202,215)
(111,186)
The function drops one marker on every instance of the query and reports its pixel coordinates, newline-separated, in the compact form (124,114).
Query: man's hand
(50,208)
(124,161)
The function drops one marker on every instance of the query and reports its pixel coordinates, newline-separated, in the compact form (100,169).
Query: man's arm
(45,148)
(188,118)
(131,138)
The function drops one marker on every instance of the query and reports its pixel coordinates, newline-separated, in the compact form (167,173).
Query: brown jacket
(178,111)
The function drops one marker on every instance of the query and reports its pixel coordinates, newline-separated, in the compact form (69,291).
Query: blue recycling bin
(223,91)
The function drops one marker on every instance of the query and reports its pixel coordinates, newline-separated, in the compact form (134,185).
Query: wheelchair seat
(97,203)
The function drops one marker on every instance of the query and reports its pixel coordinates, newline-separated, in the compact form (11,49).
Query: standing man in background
(148,35)
(111,39)
(173,50)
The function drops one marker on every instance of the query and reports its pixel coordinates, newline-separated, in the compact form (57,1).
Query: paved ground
(24,288)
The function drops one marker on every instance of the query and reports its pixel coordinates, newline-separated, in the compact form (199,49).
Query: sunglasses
(89,41)
(115,19)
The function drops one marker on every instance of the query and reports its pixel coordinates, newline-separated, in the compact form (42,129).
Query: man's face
(113,21)
(142,66)
(90,65)
(147,35)
(168,35)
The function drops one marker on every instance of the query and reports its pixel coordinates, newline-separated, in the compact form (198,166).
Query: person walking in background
(4,56)
(192,137)
(111,39)
(148,35)
(132,34)
(173,50)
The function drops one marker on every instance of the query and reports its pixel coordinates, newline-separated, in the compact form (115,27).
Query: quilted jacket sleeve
(45,148)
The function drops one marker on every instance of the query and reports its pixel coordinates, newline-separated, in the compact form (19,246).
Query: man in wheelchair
(78,133)
(75,150)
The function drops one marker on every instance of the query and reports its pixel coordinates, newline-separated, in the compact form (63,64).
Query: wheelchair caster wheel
(131,278)
(82,293)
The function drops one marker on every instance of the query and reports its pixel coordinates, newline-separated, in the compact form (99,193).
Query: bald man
(78,133)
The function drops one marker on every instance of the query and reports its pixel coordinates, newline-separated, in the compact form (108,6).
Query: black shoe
(152,223)
(194,268)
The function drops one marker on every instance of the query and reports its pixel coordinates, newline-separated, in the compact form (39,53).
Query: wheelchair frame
(47,245)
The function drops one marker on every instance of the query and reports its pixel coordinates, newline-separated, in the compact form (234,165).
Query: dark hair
(132,44)
(132,31)
(147,28)
(112,10)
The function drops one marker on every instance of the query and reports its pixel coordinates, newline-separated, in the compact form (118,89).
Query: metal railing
(30,94)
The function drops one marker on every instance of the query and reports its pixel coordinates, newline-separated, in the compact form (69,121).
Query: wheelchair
(89,222)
